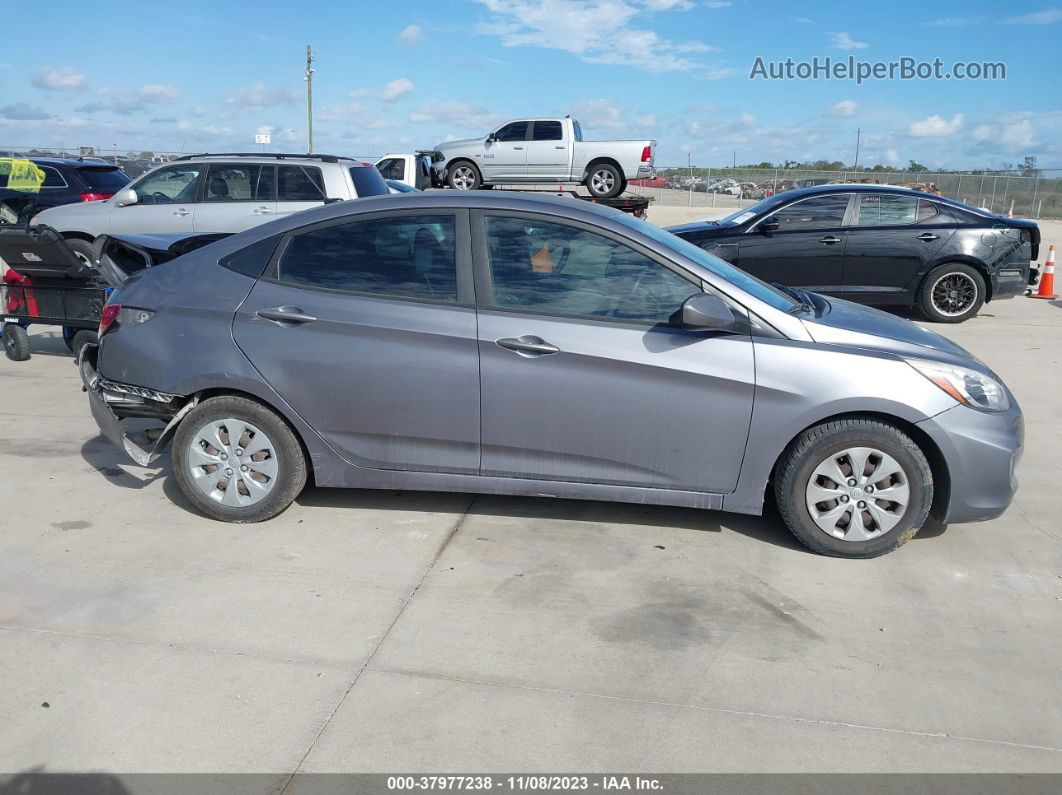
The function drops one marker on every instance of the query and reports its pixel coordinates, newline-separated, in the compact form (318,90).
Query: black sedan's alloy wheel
(952,293)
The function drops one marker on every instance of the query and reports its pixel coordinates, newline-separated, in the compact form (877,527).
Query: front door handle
(261,211)
(527,345)
(182,211)
(560,147)
(925,237)
(285,315)
(829,240)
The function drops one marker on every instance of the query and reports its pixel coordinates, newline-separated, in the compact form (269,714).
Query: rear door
(506,157)
(166,202)
(366,326)
(547,151)
(299,188)
(807,249)
(237,196)
(892,238)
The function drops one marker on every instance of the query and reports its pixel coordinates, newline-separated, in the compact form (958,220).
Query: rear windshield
(367,181)
(103,179)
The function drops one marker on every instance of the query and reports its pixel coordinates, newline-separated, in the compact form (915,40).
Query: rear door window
(547,131)
(886,209)
(102,179)
(409,256)
(300,184)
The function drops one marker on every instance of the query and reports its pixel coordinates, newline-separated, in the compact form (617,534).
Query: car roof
(864,187)
(269,157)
(72,161)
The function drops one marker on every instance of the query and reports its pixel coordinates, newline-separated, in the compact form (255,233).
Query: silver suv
(211,194)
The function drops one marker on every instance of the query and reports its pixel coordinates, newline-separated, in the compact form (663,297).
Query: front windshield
(746,281)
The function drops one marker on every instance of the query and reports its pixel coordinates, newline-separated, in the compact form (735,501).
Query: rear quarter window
(367,181)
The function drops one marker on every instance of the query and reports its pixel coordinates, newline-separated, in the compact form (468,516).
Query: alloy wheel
(858,494)
(232,462)
(954,293)
(464,178)
(602,181)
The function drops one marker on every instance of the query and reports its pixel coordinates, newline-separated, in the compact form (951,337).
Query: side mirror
(492,138)
(125,197)
(768,227)
(707,312)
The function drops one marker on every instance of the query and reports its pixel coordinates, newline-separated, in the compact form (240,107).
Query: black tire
(604,181)
(935,298)
(815,445)
(463,175)
(82,250)
(16,342)
(81,339)
(291,464)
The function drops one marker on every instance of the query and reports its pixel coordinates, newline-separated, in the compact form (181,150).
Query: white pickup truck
(543,151)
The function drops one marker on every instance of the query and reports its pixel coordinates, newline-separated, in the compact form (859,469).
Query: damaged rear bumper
(113,403)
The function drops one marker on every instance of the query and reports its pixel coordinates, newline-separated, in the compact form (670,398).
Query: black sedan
(877,245)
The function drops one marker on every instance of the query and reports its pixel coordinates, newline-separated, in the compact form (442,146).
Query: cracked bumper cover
(105,397)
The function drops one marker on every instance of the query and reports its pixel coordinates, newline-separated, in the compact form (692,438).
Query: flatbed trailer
(631,203)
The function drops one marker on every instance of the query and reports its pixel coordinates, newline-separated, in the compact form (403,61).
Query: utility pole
(309,99)
(855,165)
(735,159)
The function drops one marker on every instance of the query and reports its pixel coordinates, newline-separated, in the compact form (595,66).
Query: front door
(366,329)
(891,238)
(585,374)
(166,203)
(807,249)
(505,157)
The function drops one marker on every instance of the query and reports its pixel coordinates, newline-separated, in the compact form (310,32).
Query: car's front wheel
(463,175)
(238,461)
(854,488)
(952,293)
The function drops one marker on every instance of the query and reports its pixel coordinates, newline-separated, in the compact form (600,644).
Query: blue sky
(401,75)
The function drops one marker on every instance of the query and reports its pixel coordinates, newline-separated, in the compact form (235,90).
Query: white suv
(209,194)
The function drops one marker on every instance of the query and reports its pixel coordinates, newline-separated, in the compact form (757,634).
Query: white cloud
(257,96)
(846,107)
(597,31)
(1048,16)
(718,72)
(126,101)
(667,5)
(718,4)
(460,114)
(842,41)
(411,34)
(1012,135)
(59,78)
(21,111)
(603,114)
(279,134)
(397,89)
(956,22)
(936,126)
(157,92)
(801,20)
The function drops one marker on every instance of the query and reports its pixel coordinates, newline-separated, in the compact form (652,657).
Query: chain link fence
(732,188)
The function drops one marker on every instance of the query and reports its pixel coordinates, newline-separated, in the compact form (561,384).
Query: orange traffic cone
(1047,278)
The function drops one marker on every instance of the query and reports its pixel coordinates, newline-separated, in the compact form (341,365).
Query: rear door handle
(560,147)
(286,315)
(261,211)
(925,237)
(829,240)
(527,345)
(517,147)
(182,211)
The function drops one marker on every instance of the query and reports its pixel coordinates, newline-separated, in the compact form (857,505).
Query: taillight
(95,197)
(647,154)
(108,318)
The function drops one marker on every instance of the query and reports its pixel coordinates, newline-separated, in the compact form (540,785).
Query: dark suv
(67,181)
(879,245)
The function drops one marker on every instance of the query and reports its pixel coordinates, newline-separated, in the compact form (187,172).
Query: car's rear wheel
(854,488)
(463,176)
(238,461)
(952,293)
(604,181)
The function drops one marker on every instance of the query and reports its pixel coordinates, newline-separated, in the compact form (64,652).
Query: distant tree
(1029,168)
(915,167)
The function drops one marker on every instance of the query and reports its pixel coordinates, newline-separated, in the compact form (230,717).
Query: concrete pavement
(390,632)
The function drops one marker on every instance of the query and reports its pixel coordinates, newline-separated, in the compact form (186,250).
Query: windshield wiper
(805,303)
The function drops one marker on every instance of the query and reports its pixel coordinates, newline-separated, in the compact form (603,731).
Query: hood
(457,144)
(705,230)
(845,323)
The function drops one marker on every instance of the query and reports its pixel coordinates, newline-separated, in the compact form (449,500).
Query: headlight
(973,388)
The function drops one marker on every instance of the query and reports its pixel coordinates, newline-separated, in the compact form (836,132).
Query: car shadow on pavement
(767,528)
(49,344)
